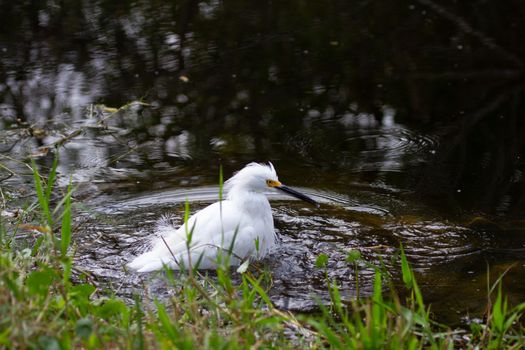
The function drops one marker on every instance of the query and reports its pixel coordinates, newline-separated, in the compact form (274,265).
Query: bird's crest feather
(253,166)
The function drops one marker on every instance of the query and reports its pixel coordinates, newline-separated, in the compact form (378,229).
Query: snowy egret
(241,226)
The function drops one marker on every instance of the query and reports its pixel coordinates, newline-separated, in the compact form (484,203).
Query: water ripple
(117,231)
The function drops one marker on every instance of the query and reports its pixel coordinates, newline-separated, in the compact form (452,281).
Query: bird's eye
(273,183)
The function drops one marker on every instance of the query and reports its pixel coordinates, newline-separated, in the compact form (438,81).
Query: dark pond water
(404,119)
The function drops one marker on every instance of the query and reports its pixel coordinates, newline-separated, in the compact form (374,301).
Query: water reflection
(276,82)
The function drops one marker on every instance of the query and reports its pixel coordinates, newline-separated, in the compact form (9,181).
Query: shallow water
(441,251)
(402,121)
(119,203)
(373,219)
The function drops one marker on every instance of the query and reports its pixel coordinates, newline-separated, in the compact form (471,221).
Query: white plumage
(243,222)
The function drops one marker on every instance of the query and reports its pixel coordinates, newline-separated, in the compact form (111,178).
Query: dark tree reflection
(304,80)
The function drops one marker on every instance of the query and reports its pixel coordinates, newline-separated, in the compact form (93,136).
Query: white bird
(240,227)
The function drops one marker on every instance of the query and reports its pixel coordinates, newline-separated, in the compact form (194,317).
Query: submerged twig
(63,140)
(11,173)
(99,125)
(113,111)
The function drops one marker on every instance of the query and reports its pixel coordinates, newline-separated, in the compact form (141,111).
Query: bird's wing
(214,230)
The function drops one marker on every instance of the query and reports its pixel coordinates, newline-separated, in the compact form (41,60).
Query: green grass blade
(419,297)
(138,315)
(42,199)
(166,324)
(66,223)
(51,178)
(3,231)
(221,183)
(498,316)
(255,284)
(189,233)
(407,274)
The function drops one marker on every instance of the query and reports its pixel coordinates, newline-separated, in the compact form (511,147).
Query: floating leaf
(40,152)
(41,229)
(243,267)
(110,109)
(38,133)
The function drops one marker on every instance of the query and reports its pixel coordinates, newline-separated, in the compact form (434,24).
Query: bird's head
(256,177)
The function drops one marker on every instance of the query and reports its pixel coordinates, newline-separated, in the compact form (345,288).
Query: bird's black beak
(296,194)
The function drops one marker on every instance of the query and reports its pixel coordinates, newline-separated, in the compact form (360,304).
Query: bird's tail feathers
(166,225)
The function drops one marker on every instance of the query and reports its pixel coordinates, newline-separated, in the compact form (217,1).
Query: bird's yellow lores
(241,224)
